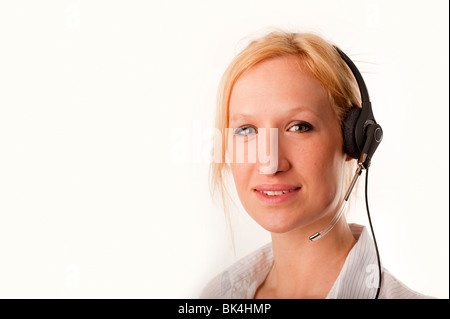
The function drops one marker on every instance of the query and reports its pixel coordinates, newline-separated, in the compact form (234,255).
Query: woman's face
(304,187)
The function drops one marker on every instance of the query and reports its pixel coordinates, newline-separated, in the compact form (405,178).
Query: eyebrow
(298,109)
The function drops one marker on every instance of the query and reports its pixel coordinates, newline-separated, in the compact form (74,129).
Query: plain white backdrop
(105,116)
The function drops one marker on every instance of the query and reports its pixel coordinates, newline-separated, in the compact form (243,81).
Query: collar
(358,277)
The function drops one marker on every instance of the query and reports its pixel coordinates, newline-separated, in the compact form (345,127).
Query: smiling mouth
(277,193)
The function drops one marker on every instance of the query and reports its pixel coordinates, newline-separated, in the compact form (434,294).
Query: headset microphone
(374,137)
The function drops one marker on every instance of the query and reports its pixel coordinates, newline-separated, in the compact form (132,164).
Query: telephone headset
(361,135)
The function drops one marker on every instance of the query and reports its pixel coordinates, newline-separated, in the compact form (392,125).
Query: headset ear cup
(348,132)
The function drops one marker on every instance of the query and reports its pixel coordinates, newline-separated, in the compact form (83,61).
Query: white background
(105,110)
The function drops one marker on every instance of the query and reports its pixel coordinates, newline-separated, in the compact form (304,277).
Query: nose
(271,157)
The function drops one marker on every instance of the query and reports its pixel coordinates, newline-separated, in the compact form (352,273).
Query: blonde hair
(319,56)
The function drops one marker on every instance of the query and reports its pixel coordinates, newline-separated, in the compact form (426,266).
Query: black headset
(360,131)
(362,135)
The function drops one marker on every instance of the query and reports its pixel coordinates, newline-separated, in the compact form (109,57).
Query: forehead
(278,85)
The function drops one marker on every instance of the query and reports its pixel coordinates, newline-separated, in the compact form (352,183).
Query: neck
(306,269)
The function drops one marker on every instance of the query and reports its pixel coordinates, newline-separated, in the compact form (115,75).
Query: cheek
(322,164)
(243,161)
(239,172)
(242,175)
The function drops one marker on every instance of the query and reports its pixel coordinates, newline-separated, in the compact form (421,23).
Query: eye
(244,131)
(301,127)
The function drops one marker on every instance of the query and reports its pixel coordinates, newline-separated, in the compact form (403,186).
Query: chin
(278,222)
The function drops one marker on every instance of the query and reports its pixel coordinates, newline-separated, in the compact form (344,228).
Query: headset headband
(363,117)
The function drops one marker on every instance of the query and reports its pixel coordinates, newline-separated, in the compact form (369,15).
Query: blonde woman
(287,95)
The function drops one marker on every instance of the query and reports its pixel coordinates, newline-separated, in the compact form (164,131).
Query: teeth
(275,193)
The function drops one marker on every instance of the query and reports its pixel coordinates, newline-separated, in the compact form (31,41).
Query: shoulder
(392,288)
(214,289)
(242,278)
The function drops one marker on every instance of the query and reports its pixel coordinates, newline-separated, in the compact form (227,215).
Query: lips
(275,187)
(275,193)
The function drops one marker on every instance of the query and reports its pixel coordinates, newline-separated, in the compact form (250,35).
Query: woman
(287,94)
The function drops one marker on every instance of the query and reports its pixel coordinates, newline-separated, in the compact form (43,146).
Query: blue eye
(244,131)
(300,127)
